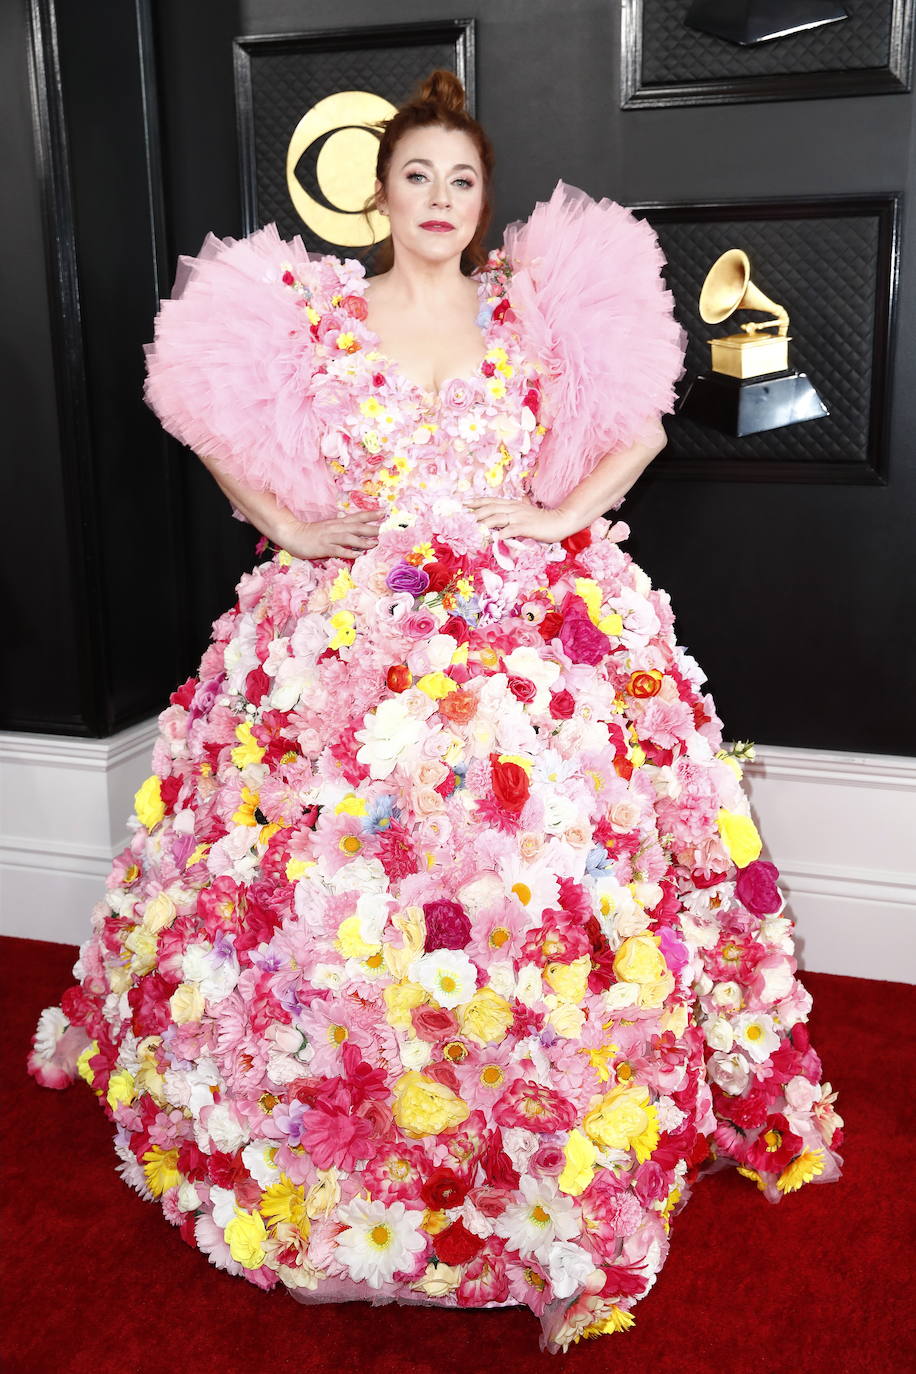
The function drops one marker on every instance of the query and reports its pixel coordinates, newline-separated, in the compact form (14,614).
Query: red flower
(488,368)
(456,1244)
(257,685)
(497,1166)
(443,1189)
(447,925)
(501,309)
(433,1024)
(756,887)
(510,784)
(149,1002)
(774,1147)
(522,688)
(169,789)
(582,641)
(532,400)
(378,379)
(440,575)
(562,705)
(184,694)
(535,1108)
(575,543)
(355,306)
(288,279)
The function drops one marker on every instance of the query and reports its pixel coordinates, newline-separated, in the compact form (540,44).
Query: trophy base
(751,405)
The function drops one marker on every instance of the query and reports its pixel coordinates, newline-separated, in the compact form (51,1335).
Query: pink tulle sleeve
(229,369)
(595,311)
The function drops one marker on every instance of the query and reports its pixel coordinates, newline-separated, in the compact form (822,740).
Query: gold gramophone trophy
(751,386)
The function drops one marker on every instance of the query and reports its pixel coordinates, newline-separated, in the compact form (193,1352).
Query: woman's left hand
(519,518)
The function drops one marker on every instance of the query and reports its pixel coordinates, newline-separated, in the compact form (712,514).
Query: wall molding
(837,825)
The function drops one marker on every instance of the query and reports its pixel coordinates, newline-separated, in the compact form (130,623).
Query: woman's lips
(438,226)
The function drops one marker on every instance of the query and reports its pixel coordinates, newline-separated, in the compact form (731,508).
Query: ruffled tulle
(593,307)
(230,366)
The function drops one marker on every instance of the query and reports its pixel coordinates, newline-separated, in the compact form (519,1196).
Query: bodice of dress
(388,441)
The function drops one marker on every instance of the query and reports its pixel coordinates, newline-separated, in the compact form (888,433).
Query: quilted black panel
(827,272)
(673,53)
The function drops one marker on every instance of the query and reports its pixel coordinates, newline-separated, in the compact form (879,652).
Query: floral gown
(442,959)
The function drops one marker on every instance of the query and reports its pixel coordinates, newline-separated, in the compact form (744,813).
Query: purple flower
(404,577)
(447,925)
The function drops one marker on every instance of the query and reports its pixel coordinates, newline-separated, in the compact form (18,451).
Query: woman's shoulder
(275,263)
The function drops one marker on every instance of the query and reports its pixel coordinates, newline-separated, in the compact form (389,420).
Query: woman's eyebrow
(458,167)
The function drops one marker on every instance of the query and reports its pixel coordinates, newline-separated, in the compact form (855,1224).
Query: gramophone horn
(728,287)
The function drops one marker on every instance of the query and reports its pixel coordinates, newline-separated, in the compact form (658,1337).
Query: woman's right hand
(346,536)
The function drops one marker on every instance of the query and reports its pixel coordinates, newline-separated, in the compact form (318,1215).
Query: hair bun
(443,88)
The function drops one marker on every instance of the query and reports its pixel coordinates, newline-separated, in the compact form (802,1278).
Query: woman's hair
(439,100)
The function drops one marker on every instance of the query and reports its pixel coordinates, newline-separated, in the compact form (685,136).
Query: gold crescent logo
(345,167)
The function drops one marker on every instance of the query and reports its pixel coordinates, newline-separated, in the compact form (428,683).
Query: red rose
(433,1024)
(458,628)
(378,379)
(399,677)
(355,306)
(447,925)
(257,684)
(443,1189)
(756,887)
(522,688)
(488,368)
(510,784)
(456,1244)
(562,705)
(288,279)
(575,543)
(532,400)
(501,309)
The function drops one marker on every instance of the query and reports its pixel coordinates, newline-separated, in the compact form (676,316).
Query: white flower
(388,733)
(223,1127)
(415,1054)
(217,976)
(528,985)
(728,996)
(719,1034)
(378,1241)
(447,975)
(546,1216)
(51,1025)
(568,1266)
(188,1196)
(729,1071)
(224,1202)
(533,885)
(755,1033)
(258,1158)
(527,662)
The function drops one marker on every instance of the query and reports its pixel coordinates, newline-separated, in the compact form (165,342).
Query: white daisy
(447,975)
(546,1216)
(378,1241)
(756,1035)
(533,885)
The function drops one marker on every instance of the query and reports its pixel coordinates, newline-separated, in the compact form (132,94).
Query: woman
(442,959)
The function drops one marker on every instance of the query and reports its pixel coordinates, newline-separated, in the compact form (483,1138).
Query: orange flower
(458,706)
(644,682)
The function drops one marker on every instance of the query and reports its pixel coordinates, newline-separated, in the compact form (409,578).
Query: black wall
(798,599)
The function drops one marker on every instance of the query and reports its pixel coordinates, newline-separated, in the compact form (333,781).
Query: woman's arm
(607,483)
(343,537)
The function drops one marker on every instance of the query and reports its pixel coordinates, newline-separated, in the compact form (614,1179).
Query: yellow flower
(197,855)
(344,625)
(739,835)
(82,1063)
(284,1200)
(350,941)
(148,804)
(323,1196)
(400,999)
(590,593)
(570,981)
(351,805)
(247,750)
(618,1319)
(159,913)
(625,1120)
(342,584)
(143,944)
(579,1169)
(465,586)
(802,1170)
(486,1018)
(297,868)
(245,1236)
(161,1169)
(371,406)
(639,960)
(433,1222)
(186,1003)
(120,1088)
(611,624)
(345,342)
(436,685)
(245,814)
(411,924)
(424,1107)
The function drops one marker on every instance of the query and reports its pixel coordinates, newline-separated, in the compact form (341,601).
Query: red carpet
(95,1281)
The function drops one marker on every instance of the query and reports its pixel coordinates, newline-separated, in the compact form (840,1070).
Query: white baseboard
(838,826)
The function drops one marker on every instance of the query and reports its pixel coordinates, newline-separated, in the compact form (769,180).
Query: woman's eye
(463,181)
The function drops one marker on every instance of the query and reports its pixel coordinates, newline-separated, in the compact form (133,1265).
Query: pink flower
(559,938)
(582,641)
(535,1108)
(484,1279)
(337,1139)
(756,887)
(447,925)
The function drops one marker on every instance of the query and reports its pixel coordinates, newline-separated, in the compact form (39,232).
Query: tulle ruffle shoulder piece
(594,309)
(229,369)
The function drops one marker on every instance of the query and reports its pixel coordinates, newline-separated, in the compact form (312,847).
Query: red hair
(440,100)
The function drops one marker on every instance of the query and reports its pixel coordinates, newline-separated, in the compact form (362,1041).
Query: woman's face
(435,193)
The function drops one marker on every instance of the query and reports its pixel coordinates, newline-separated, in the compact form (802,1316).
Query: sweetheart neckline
(396,367)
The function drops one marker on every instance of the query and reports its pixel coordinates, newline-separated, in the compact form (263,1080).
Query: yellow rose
(400,999)
(486,1017)
(739,835)
(639,960)
(148,804)
(625,1119)
(143,945)
(245,1236)
(579,1169)
(159,913)
(654,994)
(569,981)
(566,1018)
(424,1107)
(186,1003)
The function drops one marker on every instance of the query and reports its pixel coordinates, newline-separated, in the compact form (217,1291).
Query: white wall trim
(837,825)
